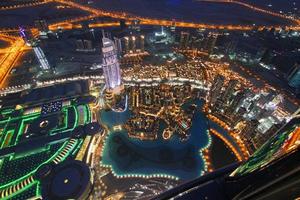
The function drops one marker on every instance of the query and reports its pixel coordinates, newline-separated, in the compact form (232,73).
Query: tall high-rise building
(184,40)
(216,88)
(294,76)
(248,133)
(79,44)
(127,48)
(229,91)
(237,101)
(88,44)
(41,57)
(133,44)
(142,43)
(27,37)
(210,42)
(84,45)
(111,67)
(230,46)
(118,45)
(261,138)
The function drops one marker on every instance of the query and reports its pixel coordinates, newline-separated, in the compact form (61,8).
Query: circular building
(68,180)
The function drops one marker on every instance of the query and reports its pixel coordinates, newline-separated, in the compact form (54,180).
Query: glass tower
(111,67)
(41,57)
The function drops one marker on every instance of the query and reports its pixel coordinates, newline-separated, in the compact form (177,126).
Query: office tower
(88,44)
(261,138)
(27,37)
(237,101)
(273,104)
(79,45)
(118,45)
(265,99)
(210,42)
(216,88)
(193,42)
(294,76)
(184,40)
(229,91)
(230,46)
(133,44)
(41,57)
(249,130)
(92,31)
(84,45)
(111,68)
(126,45)
(248,133)
(142,43)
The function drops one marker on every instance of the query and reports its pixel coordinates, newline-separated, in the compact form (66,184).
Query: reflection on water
(174,157)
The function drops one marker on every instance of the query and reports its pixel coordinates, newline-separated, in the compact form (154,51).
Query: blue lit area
(132,156)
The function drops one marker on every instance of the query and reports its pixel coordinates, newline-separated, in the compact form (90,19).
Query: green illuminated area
(279,145)
(20,130)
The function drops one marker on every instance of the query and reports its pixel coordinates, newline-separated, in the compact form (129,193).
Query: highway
(24,5)
(8,60)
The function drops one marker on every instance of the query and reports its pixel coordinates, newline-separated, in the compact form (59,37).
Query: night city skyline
(144,99)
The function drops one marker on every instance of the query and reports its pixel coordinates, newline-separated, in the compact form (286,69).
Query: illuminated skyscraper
(133,44)
(216,89)
(210,42)
(229,91)
(44,64)
(126,45)
(237,101)
(142,43)
(118,45)
(294,76)
(111,67)
(41,57)
(184,40)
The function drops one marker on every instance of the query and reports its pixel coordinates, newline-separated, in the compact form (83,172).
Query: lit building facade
(44,64)
(184,40)
(216,89)
(229,91)
(294,77)
(111,66)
